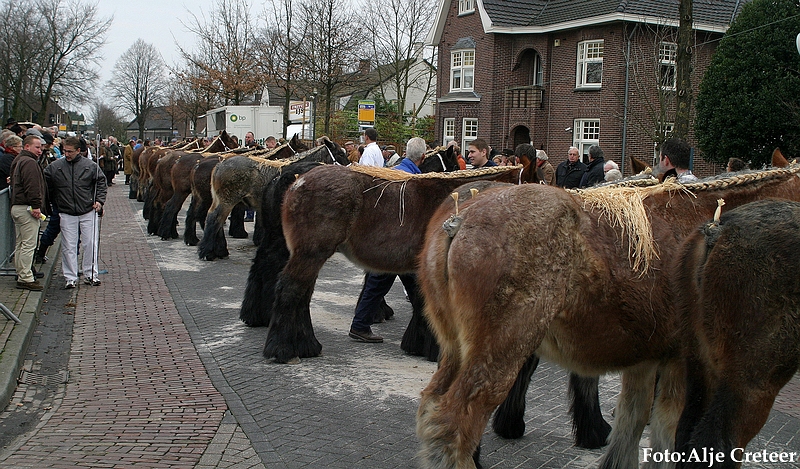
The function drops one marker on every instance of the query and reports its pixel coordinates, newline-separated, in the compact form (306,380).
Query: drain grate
(38,379)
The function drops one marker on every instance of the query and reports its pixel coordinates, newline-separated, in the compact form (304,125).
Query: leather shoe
(365,336)
(33,286)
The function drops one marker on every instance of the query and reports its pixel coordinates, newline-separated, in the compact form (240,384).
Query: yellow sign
(366,112)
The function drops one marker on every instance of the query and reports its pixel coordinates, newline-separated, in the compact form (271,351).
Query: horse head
(338,154)
(297,144)
(638,165)
(778,160)
(439,160)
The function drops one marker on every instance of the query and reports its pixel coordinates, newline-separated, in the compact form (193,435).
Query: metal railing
(530,97)
(7,240)
(7,244)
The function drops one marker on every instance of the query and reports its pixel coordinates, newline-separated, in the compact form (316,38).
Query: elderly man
(376,286)
(570,172)
(80,192)
(27,202)
(594,172)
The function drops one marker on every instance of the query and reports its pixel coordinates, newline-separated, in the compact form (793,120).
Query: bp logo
(234,118)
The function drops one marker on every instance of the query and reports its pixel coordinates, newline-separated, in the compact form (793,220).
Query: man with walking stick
(78,188)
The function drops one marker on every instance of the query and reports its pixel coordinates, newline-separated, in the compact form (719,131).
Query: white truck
(263,121)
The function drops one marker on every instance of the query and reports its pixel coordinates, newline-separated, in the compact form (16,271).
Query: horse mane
(390,174)
(623,205)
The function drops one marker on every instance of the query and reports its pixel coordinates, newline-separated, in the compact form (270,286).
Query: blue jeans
(376,286)
(53,229)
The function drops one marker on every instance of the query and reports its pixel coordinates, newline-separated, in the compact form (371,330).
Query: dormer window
(466,6)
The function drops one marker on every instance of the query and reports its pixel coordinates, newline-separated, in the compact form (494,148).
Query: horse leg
(667,410)
(633,411)
(190,229)
(418,338)
(258,229)
(236,229)
(694,407)
(509,421)
(213,245)
(591,429)
(291,334)
(259,294)
(167,229)
(156,213)
(450,424)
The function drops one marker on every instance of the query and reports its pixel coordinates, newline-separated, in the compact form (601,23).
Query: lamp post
(57,111)
(314,115)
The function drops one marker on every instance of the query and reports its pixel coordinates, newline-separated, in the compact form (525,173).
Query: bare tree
(140,81)
(396,38)
(106,121)
(331,48)
(187,101)
(20,43)
(74,34)
(684,69)
(225,51)
(281,45)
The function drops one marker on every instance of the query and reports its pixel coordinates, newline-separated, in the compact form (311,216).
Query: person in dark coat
(594,172)
(569,173)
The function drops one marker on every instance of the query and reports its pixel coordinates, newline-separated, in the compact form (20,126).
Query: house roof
(543,16)
(157,119)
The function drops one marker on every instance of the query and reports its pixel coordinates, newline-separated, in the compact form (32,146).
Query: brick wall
(497,55)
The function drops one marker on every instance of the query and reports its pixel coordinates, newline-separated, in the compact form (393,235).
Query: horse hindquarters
(213,245)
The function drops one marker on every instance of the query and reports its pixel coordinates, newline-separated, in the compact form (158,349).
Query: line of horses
(525,271)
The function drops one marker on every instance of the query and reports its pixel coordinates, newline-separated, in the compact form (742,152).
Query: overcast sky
(155,21)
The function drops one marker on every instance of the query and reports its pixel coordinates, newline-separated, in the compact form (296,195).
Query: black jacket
(569,175)
(594,173)
(75,185)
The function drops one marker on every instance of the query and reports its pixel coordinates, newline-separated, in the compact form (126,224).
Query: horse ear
(778,160)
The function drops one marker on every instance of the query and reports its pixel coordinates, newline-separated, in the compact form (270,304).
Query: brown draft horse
(242,179)
(273,255)
(575,300)
(133,188)
(336,208)
(741,305)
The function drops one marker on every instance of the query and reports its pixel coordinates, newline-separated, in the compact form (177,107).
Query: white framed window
(586,134)
(462,70)
(589,71)
(469,131)
(449,131)
(466,6)
(666,63)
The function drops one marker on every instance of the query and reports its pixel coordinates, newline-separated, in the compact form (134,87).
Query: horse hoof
(239,235)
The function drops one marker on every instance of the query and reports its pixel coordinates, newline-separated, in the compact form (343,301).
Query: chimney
(363,66)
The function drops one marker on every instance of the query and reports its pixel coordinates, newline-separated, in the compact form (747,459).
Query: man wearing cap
(390,156)
(372,153)
(27,203)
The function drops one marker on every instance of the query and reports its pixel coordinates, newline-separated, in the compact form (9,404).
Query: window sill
(581,89)
(466,13)
(463,96)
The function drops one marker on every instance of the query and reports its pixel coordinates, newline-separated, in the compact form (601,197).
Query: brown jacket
(27,182)
(546,173)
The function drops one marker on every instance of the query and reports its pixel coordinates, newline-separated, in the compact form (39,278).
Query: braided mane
(390,174)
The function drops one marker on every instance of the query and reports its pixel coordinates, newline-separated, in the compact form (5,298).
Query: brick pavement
(138,394)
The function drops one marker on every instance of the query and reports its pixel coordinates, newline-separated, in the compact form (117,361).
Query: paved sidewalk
(138,394)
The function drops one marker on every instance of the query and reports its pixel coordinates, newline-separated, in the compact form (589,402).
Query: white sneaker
(70,284)
(89,281)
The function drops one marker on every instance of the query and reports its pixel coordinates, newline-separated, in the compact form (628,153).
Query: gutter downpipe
(625,105)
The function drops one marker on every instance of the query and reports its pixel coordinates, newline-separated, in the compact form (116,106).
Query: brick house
(563,73)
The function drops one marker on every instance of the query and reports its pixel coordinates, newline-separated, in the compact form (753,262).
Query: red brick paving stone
(138,394)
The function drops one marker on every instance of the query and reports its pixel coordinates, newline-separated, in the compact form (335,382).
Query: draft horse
(741,304)
(332,208)
(593,295)
(242,179)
